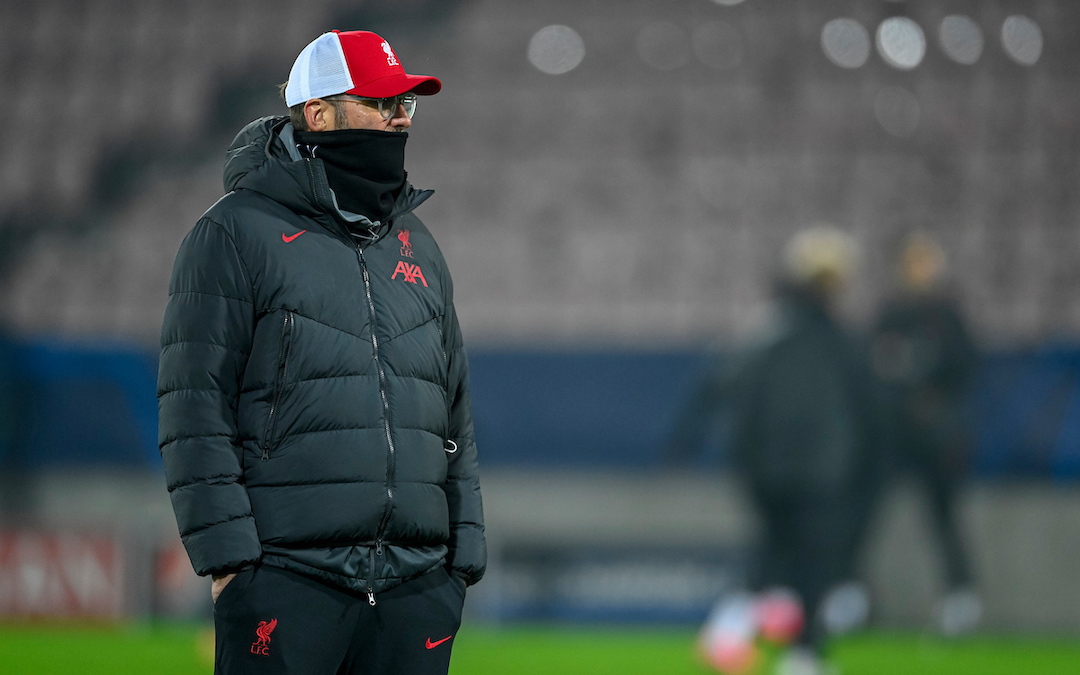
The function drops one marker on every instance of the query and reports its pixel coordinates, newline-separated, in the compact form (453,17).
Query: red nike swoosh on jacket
(433,645)
(288,239)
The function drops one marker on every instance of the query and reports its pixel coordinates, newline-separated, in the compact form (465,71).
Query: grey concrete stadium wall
(1025,537)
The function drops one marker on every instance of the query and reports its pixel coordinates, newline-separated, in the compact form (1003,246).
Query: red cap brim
(395,85)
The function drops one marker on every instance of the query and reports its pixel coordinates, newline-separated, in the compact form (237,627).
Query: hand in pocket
(219,585)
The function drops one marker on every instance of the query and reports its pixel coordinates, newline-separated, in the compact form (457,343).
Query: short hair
(296,112)
(820,254)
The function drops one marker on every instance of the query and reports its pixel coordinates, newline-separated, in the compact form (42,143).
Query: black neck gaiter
(365,167)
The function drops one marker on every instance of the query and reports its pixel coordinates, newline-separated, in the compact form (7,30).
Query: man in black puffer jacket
(802,416)
(315,420)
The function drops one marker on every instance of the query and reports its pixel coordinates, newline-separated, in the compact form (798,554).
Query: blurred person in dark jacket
(802,424)
(925,357)
(315,416)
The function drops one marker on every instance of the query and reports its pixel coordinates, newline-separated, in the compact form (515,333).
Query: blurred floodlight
(846,42)
(1022,39)
(663,45)
(718,45)
(901,42)
(556,49)
(898,111)
(727,3)
(961,39)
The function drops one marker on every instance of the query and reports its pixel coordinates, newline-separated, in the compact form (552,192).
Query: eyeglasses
(387,107)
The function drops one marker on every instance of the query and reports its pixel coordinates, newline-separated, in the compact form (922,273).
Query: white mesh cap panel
(319,71)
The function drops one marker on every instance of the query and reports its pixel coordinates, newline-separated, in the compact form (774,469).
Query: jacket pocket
(234,586)
(442,339)
(284,351)
(446,365)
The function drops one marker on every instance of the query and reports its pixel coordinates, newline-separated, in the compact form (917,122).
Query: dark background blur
(614,182)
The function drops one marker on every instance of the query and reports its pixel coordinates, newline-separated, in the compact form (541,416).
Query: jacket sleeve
(205,341)
(467,556)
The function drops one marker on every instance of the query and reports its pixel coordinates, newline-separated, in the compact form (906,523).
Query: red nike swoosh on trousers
(433,645)
(288,239)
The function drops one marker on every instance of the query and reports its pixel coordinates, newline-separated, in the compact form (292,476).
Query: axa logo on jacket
(410,272)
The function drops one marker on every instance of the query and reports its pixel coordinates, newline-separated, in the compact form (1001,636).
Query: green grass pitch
(185,649)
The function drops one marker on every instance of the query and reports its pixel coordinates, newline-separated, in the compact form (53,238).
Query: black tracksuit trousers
(806,547)
(273,622)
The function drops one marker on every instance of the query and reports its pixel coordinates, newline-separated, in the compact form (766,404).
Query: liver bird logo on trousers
(261,646)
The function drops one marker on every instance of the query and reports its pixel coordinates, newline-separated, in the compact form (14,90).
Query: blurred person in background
(802,426)
(315,418)
(925,357)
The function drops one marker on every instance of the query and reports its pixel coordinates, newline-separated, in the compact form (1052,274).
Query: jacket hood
(263,158)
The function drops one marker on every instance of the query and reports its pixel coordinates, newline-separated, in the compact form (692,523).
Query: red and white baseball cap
(354,62)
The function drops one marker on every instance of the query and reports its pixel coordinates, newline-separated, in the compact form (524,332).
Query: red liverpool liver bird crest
(406,247)
(261,646)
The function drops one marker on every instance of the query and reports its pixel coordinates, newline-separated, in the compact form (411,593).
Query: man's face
(355,114)
(921,264)
(363,115)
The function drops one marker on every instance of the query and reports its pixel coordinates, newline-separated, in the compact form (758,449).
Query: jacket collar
(263,158)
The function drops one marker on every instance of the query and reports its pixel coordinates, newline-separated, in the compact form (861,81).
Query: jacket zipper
(279,388)
(371,579)
(391,456)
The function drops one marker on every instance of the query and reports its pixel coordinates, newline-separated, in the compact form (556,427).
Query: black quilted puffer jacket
(313,388)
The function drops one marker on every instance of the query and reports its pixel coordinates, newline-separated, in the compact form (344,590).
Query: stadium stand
(617,203)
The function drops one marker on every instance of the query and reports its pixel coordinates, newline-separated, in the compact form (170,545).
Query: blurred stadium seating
(616,203)
(631,207)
